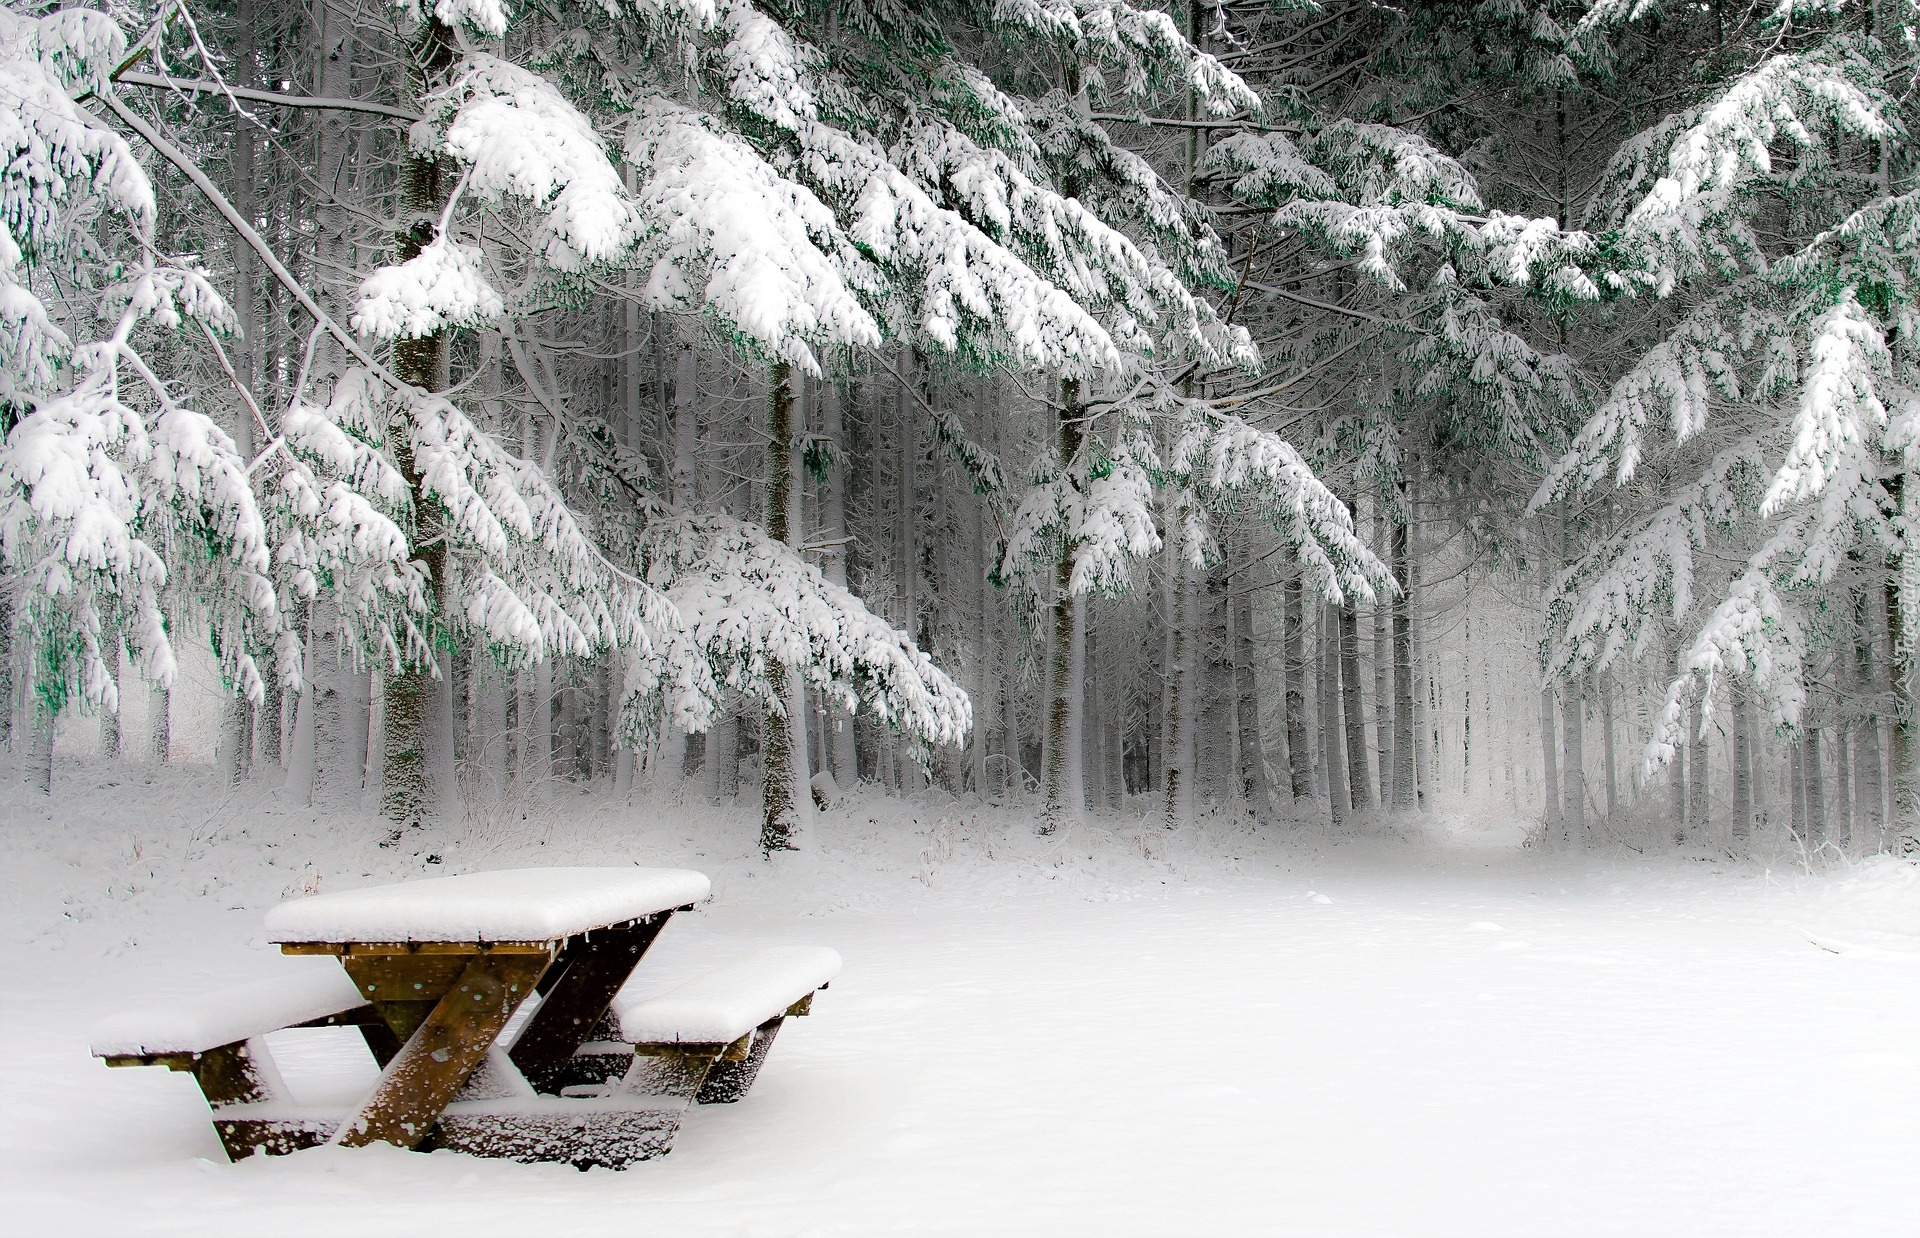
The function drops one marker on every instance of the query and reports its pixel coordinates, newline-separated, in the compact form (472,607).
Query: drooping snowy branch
(748,601)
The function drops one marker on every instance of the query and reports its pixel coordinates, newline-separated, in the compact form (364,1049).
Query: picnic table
(432,973)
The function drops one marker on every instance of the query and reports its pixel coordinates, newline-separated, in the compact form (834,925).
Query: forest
(1293,410)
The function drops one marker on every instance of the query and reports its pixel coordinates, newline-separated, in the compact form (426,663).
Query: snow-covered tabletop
(521,904)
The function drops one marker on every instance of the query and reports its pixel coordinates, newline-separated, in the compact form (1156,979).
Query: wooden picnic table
(444,963)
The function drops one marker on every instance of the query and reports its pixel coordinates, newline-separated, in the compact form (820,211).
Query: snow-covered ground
(1115,1032)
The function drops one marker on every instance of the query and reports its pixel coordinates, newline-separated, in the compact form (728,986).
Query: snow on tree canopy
(1098,265)
(1220,458)
(729,235)
(518,904)
(973,295)
(748,601)
(50,149)
(1840,413)
(1714,151)
(517,136)
(1130,50)
(441,286)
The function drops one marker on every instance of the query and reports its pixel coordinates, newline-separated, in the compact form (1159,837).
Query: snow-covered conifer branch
(747,601)
(1614,597)
(728,235)
(1749,635)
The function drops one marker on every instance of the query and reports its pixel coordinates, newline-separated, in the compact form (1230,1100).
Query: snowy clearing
(1274,1034)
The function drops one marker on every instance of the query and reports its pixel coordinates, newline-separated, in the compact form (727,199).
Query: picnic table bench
(431,973)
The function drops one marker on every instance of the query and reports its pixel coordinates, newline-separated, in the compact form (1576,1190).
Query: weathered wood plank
(612,1138)
(438,1057)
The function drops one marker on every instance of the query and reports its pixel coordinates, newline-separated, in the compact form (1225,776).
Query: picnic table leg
(437,1058)
(582,985)
(728,1081)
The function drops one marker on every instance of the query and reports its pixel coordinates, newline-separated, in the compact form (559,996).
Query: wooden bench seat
(217,1038)
(704,1042)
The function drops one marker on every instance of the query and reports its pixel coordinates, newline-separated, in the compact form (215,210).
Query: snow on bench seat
(523,904)
(727,1003)
(206,1021)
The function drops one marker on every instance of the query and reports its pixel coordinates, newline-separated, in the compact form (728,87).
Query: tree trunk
(1843,785)
(236,740)
(1816,788)
(1063,782)
(1359,782)
(1213,738)
(1574,763)
(110,719)
(1405,788)
(1796,795)
(410,794)
(303,753)
(1333,745)
(1605,689)
(1093,752)
(1870,791)
(1677,792)
(39,767)
(1742,766)
(1379,613)
(1905,811)
(8,649)
(1251,750)
(786,801)
(845,760)
(1177,762)
(1550,759)
(1293,634)
(1699,768)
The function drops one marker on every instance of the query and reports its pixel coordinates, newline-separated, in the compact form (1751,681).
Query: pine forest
(1304,411)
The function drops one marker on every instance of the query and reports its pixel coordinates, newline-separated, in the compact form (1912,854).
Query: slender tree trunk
(303,753)
(1177,763)
(110,719)
(1333,745)
(1550,758)
(8,649)
(846,761)
(1293,634)
(1574,762)
(1843,785)
(1796,795)
(1816,788)
(1252,748)
(1605,690)
(1900,658)
(1677,793)
(39,767)
(1063,782)
(1870,764)
(1093,753)
(1699,768)
(1405,788)
(1359,783)
(1172,570)
(410,795)
(1213,738)
(236,740)
(1424,743)
(1742,765)
(1380,613)
(786,799)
